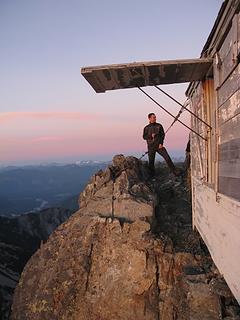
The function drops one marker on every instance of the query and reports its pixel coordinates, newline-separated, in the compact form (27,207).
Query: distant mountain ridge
(33,188)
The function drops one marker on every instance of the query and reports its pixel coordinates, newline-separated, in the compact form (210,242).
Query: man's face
(152,119)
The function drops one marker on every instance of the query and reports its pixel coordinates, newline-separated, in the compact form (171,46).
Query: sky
(48,111)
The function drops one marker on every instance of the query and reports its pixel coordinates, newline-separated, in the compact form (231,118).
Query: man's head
(152,117)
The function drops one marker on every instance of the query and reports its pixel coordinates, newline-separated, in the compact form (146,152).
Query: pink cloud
(46,139)
(9,116)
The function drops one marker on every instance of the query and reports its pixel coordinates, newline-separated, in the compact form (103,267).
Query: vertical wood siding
(216,211)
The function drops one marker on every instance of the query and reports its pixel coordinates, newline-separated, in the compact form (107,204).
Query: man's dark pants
(163,152)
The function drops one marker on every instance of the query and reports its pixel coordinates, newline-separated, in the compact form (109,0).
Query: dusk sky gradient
(48,112)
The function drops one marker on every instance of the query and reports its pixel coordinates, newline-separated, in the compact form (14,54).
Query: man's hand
(160,146)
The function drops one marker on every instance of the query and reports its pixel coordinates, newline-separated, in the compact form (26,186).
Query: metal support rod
(171,113)
(180,104)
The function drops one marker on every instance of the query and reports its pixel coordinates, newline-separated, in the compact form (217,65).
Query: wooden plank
(230,169)
(235,27)
(229,87)
(227,45)
(228,52)
(195,163)
(210,107)
(198,157)
(229,187)
(228,64)
(217,71)
(219,225)
(198,106)
(229,155)
(226,57)
(230,150)
(230,130)
(238,34)
(139,74)
(230,108)
(202,105)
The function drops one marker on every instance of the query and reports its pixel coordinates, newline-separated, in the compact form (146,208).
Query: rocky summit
(129,252)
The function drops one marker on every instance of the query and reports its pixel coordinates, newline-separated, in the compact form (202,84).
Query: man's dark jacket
(151,128)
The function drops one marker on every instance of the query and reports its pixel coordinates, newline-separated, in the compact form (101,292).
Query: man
(154,134)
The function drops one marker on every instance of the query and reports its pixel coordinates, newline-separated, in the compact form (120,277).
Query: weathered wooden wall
(218,161)
(218,222)
(227,73)
(198,145)
(216,171)
(203,155)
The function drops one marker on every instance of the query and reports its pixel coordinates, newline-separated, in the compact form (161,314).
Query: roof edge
(211,35)
(225,4)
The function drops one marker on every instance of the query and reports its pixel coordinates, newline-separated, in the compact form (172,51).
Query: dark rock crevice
(88,266)
(157,284)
